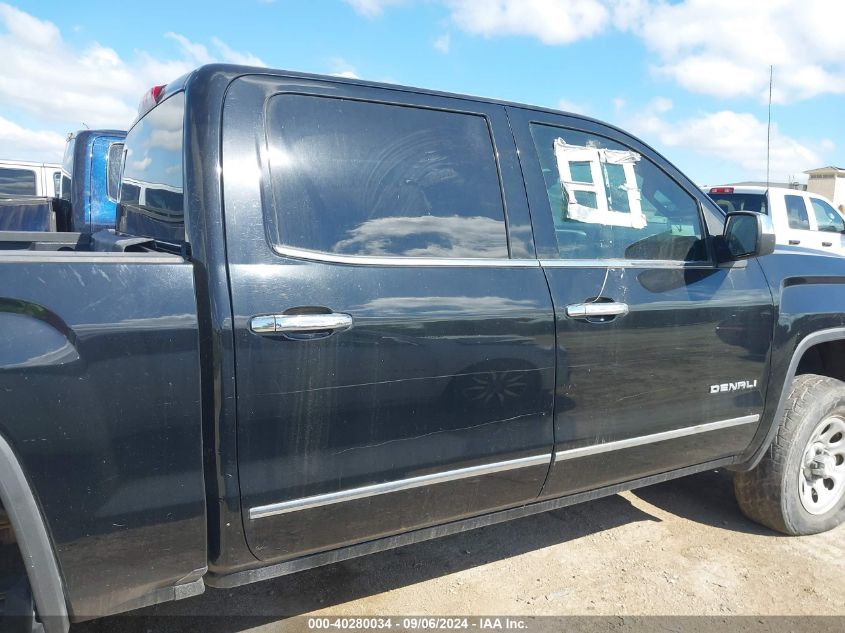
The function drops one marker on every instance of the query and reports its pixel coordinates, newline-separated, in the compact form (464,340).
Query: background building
(828,182)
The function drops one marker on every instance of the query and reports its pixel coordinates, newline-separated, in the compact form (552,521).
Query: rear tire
(799,486)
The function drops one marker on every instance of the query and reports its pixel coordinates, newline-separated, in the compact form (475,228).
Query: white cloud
(717,47)
(442,43)
(661,105)
(67,86)
(342,68)
(570,106)
(38,145)
(724,47)
(733,137)
(191,50)
(227,54)
(372,8)
(550,21)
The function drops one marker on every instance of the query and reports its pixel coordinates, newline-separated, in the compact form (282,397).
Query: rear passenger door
(394,334)
(651,332)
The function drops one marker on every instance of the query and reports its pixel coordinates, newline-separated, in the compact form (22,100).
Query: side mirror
(749,234)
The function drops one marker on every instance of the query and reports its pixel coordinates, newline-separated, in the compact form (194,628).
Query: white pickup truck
(26,178)
(800,218)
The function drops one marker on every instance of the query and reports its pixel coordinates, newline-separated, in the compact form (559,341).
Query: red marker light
(151,99)
(722,190)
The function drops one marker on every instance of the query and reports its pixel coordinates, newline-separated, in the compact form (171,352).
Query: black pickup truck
(337,317)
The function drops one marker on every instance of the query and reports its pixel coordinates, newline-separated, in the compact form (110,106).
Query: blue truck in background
(90,177)
(80,197)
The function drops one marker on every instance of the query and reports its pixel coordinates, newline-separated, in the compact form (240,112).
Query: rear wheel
(799,486)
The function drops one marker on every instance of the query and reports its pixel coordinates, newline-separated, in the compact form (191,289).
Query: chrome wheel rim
(821,482)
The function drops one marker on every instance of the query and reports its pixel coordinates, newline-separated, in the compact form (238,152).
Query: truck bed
(65,242)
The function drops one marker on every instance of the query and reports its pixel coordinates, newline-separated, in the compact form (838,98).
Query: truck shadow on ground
(706,498)
(231,610)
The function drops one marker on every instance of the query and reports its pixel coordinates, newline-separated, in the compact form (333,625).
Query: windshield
(730,202)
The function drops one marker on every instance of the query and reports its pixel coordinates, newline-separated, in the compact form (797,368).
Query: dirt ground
(675,549)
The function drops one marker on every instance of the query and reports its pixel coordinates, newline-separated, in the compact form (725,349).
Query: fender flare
(814,338)
(36,550)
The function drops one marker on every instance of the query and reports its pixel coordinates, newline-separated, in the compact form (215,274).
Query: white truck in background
(800,218)
(27,178)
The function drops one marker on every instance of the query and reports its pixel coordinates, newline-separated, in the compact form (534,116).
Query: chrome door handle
(300,323)
(827,243)
(590,310)
(794,242)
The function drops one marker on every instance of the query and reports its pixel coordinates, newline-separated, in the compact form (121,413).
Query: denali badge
(733,386)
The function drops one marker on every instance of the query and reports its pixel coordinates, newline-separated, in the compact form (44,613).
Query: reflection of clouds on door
(426,236)
(446,306)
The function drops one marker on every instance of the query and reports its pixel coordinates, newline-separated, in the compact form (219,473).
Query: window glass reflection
(363,178)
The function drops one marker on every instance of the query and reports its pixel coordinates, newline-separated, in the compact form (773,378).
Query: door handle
(300,323)
(827,243)
(591,310)
(794,242)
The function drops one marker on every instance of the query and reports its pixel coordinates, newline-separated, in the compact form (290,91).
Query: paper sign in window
(600,185)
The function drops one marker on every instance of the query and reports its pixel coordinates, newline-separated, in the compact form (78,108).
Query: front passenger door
(649,326)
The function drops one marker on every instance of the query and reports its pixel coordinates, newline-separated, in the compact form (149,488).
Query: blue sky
(689,77)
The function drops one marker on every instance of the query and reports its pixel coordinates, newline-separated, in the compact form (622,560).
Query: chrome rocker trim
(340,496)
(595,449)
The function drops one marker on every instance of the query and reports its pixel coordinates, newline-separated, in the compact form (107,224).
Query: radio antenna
(769,126)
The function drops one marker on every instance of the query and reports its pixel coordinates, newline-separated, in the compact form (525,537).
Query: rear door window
(18,182)
(796,213)
(362,178)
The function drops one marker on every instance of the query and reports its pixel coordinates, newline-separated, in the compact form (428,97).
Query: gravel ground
(680,548)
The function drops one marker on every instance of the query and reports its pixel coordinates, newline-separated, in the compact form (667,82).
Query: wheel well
(12,567)
(26,549)
(824,359)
